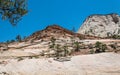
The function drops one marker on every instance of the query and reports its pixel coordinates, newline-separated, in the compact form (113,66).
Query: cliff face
(101,25)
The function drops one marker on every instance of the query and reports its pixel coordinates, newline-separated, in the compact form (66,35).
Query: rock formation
(56,31)
(101,25)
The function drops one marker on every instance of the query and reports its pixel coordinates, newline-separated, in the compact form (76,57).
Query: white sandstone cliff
(101,25)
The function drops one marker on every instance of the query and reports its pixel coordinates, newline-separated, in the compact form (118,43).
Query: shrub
(18,38)
(81,37)
(52,42)
(115,36)
(100,47)
(104,47)
(77,46)
(92,51)
(98,44)
(90,46)
(65,49)
(58,50)
(113,46)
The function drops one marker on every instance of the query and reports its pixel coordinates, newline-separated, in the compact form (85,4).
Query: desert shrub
(91,30)
(104,47)
(76,46)
(72,40)
(65,49)
(52,42)
(10,41)
(18,38)
(100,47)
(115,36)
(61,51)
(58,50)
(113,46)
(81,37)
(92,51)
(90,46)
(98,44)
(97,51)
(115,19)
(51,46)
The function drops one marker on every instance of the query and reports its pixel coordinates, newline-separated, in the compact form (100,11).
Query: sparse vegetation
(90,46)
(73,29)
(114,46)
(104,47)
(76,46)
(98,44)
(10,41)
(100,47)
(81,37)
(52,42)
(18,38)
(72,40)
(115,36)
(115,19)
(65,50)
(60,51)
(92,51)
(31,41)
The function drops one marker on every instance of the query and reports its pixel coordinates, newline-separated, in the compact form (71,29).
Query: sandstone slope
(101,25)
(96,64)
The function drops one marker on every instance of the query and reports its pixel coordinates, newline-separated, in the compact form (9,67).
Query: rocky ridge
(56,31)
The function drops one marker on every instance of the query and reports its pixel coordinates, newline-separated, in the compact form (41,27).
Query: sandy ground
(95,64)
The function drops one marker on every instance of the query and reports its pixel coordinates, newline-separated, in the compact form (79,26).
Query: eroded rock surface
(101,25)
(96,64)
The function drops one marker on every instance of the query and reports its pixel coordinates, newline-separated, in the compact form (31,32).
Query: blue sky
(66,13)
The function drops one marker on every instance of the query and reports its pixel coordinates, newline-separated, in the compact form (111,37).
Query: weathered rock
(101,25)
(3,47)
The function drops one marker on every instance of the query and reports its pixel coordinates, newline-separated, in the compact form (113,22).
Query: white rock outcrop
(101,25)
(96,64)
